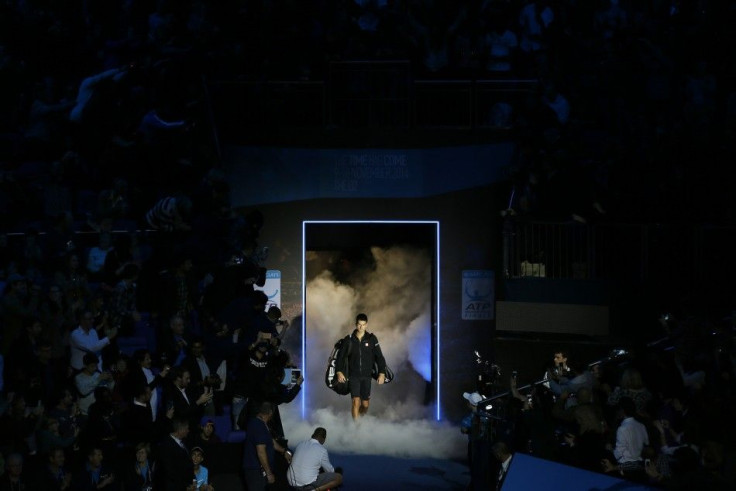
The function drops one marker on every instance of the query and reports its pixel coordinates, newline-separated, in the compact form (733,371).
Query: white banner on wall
(478,294)
(272,288)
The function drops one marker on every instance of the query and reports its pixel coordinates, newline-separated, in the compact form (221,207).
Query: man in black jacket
(356,361)
(176,468)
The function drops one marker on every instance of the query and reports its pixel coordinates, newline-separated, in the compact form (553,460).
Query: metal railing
(629,252)
(365,94)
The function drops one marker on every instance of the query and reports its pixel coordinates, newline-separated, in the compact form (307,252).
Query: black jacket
(357,358)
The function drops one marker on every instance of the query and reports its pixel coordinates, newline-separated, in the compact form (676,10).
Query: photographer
(250,375)
(477,425)
(273,387)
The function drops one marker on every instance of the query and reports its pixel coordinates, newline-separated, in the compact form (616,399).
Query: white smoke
(395,292)
(372,435)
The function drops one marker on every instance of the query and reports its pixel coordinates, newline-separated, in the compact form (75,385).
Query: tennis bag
(331,373)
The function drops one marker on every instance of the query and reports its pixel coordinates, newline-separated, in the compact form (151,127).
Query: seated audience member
(94,474)
(310,466)
(631,437)
(55,476)
(201,474)
(140,474)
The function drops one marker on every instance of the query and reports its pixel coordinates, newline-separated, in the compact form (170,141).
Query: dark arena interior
(530,200)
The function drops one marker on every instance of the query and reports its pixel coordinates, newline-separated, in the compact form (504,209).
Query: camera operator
(274,388)
(477,425)
(250,372)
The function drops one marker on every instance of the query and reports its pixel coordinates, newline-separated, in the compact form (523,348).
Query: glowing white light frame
(436,223)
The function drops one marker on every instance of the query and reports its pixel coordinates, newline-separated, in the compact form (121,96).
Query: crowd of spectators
(656,414)
(106,127)
(632,118)
(98,379)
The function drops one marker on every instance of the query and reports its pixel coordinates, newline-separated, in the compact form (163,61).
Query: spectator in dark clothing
(203,372)
(123,302)
(175,471)
(94,474)
(174,342)
(55,476)
(177,294)
(16,478)
(259,450)
(64,409)
(274,389)
(137,424)
(178,395)
(140,375)
(13,309)
(18,425)
(49,437)
(206,436)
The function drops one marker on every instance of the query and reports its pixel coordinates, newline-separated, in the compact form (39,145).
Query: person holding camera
(186,403)
(89,379)
(355,363)
(202,372)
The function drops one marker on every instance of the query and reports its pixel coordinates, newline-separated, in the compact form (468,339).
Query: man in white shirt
(631,437)
(84,339)
(88,380)
(309,456)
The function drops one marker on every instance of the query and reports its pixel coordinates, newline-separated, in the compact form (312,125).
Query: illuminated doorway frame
(436,332)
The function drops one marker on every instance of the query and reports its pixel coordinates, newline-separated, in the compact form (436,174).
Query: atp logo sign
(478,294)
